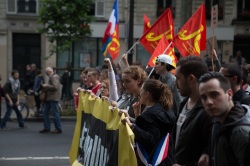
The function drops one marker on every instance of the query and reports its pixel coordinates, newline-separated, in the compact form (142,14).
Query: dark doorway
(242,43)
(26,50)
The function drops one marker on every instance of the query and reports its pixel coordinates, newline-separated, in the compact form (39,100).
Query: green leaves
(65,21)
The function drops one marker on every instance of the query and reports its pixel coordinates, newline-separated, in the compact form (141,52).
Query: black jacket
(194,135)
(152,125)
(230,141)
(241,97)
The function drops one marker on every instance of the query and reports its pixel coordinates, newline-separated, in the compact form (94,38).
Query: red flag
(162,45)
(191,39)
(163,26)
(146,23)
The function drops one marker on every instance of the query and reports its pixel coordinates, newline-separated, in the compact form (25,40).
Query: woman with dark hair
(155,122)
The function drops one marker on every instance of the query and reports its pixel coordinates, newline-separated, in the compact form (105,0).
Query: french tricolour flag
(159,155)
(111,33)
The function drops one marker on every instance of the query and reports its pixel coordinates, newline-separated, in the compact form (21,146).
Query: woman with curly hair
(132,78)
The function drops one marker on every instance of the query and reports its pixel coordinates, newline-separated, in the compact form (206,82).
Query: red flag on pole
(163,26)
(162,45)
(191,39)
(146,23)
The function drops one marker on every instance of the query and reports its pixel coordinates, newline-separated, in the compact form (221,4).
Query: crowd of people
(34,85)
(203,110)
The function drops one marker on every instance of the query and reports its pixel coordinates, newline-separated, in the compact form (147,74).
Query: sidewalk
(13,114)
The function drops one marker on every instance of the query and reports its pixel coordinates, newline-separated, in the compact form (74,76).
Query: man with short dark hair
(233,73)
(11,91)
(191,133)
(230,136)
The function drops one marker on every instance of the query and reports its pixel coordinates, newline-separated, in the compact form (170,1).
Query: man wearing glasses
(234,74)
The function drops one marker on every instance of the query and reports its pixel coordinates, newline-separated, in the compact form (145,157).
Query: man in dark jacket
(233,73)
(191,133)
(230,137)
(39,80)
(11,92)
(33,73)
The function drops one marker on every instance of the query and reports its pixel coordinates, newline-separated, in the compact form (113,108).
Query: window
(97,8)
(85,53)
(243,10)
(22,6)
(220,8)
(162,5)
(100,8)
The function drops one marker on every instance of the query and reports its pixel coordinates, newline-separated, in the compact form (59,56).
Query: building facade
(21,44)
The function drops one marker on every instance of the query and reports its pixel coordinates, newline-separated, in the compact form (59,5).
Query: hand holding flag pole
(125,62)
(137,42)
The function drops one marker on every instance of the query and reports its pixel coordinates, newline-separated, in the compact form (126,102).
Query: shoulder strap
(155,157)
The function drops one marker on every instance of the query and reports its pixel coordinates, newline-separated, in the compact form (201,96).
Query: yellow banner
(99,109)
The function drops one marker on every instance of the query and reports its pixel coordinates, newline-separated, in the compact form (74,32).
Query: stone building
(21,44)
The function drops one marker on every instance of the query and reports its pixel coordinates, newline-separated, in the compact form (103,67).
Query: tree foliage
(65,21)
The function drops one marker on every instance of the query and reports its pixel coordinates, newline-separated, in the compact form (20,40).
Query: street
(27,147)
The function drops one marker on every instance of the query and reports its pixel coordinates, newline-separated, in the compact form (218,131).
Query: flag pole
(129,50)
(162,53)
(151,72)
(167,47)
(213,51)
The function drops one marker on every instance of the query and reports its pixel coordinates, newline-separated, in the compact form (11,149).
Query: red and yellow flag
(191,39)
(162,45)
(163,26)
(146,23)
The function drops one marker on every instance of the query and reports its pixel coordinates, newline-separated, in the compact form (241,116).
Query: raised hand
(137,107)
